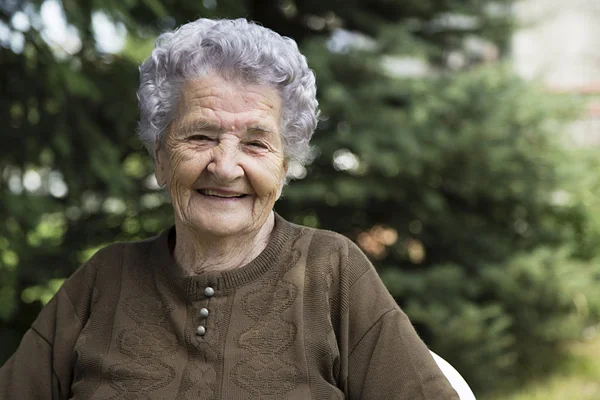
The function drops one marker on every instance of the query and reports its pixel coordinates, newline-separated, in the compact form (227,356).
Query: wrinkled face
(222,157)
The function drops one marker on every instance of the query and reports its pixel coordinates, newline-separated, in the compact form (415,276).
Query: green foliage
(580,197)
(452,178)
(502,320)
(576,380)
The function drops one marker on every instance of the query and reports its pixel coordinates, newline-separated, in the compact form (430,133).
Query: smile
(220,193)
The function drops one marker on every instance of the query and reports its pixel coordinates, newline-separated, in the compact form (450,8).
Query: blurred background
(458,145)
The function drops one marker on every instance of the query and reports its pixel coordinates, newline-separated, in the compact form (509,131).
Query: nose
(225,163)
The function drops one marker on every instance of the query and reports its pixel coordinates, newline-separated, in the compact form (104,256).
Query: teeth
(219,194)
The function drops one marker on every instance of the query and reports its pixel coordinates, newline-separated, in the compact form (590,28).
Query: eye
(200,138)
(257,144)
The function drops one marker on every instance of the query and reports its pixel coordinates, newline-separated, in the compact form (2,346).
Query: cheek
(267,177)
(186,167)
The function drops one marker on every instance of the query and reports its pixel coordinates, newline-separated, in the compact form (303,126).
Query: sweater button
(209,292)
(204,312)
(200,330)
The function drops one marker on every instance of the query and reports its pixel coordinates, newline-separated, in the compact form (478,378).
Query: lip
(227,194)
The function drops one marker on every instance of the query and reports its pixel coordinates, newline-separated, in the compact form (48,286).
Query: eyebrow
(200,125)
(261,129)
(203,125)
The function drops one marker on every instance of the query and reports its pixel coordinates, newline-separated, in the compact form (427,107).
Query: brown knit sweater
(307,319)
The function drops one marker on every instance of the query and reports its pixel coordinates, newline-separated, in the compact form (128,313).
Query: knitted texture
(309,318)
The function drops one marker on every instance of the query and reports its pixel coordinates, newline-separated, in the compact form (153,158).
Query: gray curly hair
(249,51)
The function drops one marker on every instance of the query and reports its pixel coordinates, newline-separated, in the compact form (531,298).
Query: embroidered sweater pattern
(309,318)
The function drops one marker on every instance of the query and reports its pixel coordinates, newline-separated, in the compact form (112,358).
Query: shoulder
(118,253)
(324,237)
(323,242)
(103,271)
(335,252)
(109,259)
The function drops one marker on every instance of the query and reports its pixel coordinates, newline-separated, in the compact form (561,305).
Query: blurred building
(559,43)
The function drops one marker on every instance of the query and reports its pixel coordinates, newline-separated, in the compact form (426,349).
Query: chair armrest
(457,381)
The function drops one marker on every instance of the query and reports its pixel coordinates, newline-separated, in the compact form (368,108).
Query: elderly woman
(233,302)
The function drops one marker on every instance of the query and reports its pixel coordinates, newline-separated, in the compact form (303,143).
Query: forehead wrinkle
(210,112)
(216,90)
(199,124)
(229,106)
(261,107)
(223,120)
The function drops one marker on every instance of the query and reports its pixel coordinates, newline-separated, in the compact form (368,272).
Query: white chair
(457,381)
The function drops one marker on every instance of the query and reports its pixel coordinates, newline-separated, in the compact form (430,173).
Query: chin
(228,225)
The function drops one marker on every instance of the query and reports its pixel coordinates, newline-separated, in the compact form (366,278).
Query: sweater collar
(193,286)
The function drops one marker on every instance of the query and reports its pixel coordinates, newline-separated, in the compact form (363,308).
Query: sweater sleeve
(386,357)
(41,368)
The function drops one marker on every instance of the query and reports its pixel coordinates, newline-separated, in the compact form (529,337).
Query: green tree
(440,163)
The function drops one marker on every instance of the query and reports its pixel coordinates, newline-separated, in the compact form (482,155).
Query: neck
(196,252)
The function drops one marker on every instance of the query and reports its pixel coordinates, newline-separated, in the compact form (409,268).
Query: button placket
(204,312)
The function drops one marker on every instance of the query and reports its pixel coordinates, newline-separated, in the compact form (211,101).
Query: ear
(160,164)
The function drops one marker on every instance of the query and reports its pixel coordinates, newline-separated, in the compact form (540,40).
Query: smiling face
(222,157)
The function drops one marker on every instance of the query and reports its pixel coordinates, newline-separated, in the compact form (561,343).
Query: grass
(579,379)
